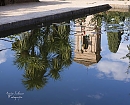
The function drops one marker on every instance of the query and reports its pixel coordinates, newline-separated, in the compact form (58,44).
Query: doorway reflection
(87,42)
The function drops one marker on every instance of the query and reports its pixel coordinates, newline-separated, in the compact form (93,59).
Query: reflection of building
(87,43)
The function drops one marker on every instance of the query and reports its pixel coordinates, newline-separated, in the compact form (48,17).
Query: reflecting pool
(84,61)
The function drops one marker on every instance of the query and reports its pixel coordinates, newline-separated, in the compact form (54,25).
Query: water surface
(84,61)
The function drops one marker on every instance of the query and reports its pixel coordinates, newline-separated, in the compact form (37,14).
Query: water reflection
(117,28)
(113,66)
(116,25)
(42,53)
(2,53)
(117,35)
(115,71)
(97,96)
(114,39)
(127,56)
(46,54)
(87,42)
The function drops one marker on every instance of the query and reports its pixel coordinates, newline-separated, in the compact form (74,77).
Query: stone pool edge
(55,16)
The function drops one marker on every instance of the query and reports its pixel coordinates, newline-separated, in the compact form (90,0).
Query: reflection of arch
(87,44)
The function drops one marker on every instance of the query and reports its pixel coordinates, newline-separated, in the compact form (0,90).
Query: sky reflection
(122,51)
(115,70)
(2,53)
(113,66)
(96,96)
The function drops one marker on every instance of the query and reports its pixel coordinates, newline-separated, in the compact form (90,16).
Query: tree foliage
(114,40)
(42,53)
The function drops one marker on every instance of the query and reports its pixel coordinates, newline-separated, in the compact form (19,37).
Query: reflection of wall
(91,54)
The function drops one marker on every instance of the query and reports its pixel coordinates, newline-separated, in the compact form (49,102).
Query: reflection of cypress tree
(108,15)
(118,16)
(114,39)
(42,53)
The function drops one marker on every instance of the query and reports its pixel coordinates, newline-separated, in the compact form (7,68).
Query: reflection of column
(84,54)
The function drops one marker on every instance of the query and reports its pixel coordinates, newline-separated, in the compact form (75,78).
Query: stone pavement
(25,11)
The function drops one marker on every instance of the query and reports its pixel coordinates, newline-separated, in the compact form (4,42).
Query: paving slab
(20,12)
(23,11)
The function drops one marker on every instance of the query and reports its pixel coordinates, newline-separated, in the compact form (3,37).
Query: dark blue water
(103,81)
